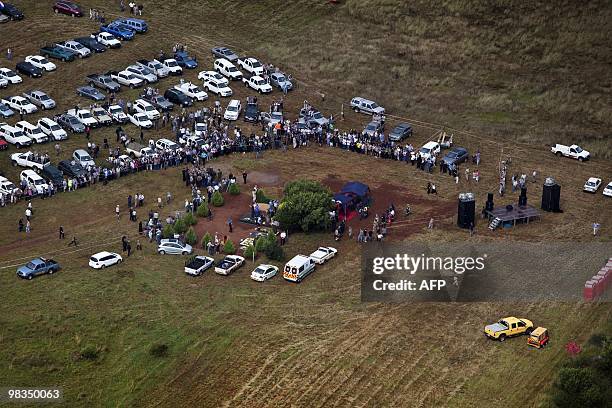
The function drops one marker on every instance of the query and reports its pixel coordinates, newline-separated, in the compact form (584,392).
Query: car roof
(103,253)
(298,260)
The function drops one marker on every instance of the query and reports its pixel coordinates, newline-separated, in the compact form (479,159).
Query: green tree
(234,189)
(229,247)
(202,210)
(180,226)
(190,237)
(576,387)
(168,231)
(217,199)
(190,219)
(261,243)
(249,252)
(305,206)
(261,197)
(205,240)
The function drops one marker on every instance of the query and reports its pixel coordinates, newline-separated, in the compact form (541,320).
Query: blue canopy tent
(350,196)
(362,191)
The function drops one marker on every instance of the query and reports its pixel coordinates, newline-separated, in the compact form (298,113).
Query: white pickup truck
(126,78)
(85,116)
(251,65)
(20,104)
(137,151)
(29,160)
(257,83)
(198,265)
(573,151)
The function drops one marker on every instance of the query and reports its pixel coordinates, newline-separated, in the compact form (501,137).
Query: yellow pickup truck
(508,327)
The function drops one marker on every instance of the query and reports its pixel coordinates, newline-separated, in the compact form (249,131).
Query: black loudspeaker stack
(523,197)
(466,210)
(551,195)
(489,203)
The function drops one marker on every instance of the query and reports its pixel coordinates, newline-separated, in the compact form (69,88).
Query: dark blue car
(118,30)
(456,156)
(91,93)
(184,60)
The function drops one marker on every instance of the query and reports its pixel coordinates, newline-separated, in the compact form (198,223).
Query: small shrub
(217,199)
(205,240)
(202,210)
(261,244)
(190,219)
(597,339)
(89,353)
(234,189)
(260,196)
(229,247)
(275,252)
(159,350)
(180,226)
(249,252)
(191,238)
(168,231)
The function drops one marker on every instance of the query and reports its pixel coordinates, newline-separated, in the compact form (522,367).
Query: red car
(67,7)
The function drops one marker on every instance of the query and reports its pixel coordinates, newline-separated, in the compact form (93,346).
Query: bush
(159,350)
(89,353)
(576,387)
(261,244)
(260,196)
(180,226)
(229,247)
(275,252)
(191,238)
(202,210)
(205,240)
(305,206)
(249,252)
(234,189)
(168,231)
(217,199)
(190,219)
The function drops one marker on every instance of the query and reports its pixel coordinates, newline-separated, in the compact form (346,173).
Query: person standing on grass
(283,237)
(61,232)
(244,176)
(117,211)
(431,223)
(20,225)
(9,54)
(230,224)
(596,227)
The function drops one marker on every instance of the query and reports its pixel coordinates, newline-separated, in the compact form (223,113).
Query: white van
(298,268)
(34,181)
(429,149)
(233,110)
(226,68)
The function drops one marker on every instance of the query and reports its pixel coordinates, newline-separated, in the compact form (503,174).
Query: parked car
(104,82)
(67,7)
(29,160)
(104,259)
(53,51)
(400,132)
(226,68)
(197,265)
(323,254)
(313,117)
(53,175)
(141,120)
(5,110)
(41,62)
(233,110)
(117,114)
(157,67)
(40,99)
(192,91)
(143,73)
(185,60)
(125,78)
(85,116)
(251,112)
(607,191)
(456,156)
(573,151)
(108,40)
(136,150)
(264,272)
(280,80)
(224,52)
(173,247)
(251,65)
(52,129)
(79,49)
(136,24)
(4,18)
(21,104)
(71,168)
(363,105)
(219,88)
(70,123)
(91,93)
(10,75)
(177,97)
(14,136)
(229,264)
(83,158)
(7,187)
(166,144)
(118,30)
(592,185)
(429,149)
(212,75)
(11,11)
(173,66)
(32,179)
(28,69)
(91,43)
(508,327)
(32,131)
(298,268)
(3,83)
(101,116)
(271,117)
(258,84)
(375,126)
(142,106)
(36,267)
(159,102)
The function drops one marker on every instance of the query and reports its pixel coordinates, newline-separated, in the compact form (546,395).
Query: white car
(85,116)
(52,129)
(264,272)
(14,136)
(142,72)
(360,104)
(141,120)
(166,144)
(21,104)
(233,110)
(229,264)
(126,78)
(41,62)
(75,47)
(226,68)
(83,158)
(174,247)
(34,181)
(607,191)
(323,254)
(592,185)
(191,90)
(142,106)
(28,159)
(200,129)
(252,66)
(39,98)
(206,75)
(33,132)
(116,112)
(104,259)
(6,187)
(573,151)
(101,116)
(214,86)
(258,84)
(157,67)
(108,40)
(10,75)
(173,66)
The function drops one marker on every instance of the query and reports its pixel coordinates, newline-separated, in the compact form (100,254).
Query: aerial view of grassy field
(508,80)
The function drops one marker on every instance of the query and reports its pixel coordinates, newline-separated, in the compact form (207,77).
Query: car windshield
(86,115)
(578,149)
(452,154)
(232,69)
(55,127)
(425,150)
(193,89)
(149,108)
(373,105)
(256,64)
(43,61)
(73,121)
(39,182)
(141,117)
(232,108)
(10,186)
(18,133)
(44,97)
(36,131)
(317,115)
(115,110)
(277,115)
(226,51)
(77,46)
(591,183)
(30,265)
(371,127)
(260,270)
(171,63)
(281,78)
(157,65)
(10,73)
(85,158)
